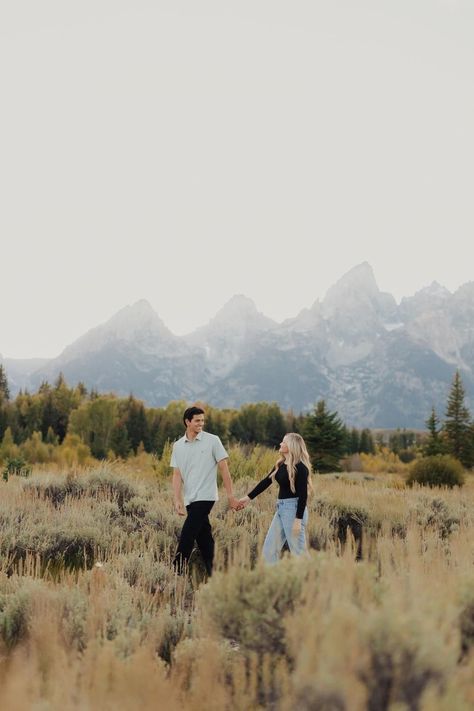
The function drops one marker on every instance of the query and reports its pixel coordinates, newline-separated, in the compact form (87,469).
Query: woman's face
(284,447)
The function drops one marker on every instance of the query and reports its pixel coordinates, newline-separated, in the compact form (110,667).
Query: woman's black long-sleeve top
(283,480)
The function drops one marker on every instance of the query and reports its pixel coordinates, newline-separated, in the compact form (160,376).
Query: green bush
(14,613)
(250,607)
(399,667)
(98,483)
(438,470)
(16,466)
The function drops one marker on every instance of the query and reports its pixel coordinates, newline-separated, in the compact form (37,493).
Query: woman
(292,472)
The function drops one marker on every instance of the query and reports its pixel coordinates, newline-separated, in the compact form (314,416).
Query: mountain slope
(377,363)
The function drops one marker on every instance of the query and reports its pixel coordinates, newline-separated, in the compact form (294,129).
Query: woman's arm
(261,486)
(301,488)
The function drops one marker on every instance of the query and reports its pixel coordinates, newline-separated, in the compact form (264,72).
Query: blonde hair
(297,452)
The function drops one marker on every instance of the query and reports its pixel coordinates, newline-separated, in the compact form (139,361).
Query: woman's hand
(296,528)
(244,501)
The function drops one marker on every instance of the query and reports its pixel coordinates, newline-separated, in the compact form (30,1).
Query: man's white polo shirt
(197,461)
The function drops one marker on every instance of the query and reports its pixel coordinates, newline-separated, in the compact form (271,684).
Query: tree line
(109,425)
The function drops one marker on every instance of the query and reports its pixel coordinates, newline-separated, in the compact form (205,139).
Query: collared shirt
(197,461)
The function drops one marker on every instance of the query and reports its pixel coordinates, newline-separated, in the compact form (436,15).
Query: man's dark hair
(190,412)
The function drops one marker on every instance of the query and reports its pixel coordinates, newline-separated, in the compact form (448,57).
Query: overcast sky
(186,151)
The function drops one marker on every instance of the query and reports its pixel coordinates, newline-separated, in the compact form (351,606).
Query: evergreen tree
(81,390)
(258,422)
(401,439)
(366,444)
(324,435)
(119,441)
(44,388)
(347,440)
(434,444)
(274,425)
(48,419)
(457,424)
(4,398)
(4,389)
(51,438)
(137,425)
(354,441)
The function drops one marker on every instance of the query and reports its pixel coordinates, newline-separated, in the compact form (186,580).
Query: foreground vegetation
(380,615)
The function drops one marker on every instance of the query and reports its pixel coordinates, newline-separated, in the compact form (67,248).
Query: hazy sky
(189,150)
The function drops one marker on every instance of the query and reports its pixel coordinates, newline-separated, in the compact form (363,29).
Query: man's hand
(243,502)
(234,503)
(179,508)
(296,528)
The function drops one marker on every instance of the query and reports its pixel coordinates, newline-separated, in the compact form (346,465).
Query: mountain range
(378,363)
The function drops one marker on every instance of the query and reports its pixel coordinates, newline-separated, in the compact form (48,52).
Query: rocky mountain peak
(240,309)
(429,298)
(229,334)
(137,324)
(465,292)
(132,319)
(356,300)
(238,316)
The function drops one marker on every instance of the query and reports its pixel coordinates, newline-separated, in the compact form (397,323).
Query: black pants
(196,528)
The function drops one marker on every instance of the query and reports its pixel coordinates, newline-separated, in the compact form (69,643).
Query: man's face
(195,425)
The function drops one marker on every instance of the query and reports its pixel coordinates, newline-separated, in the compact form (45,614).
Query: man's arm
(178,494)
(227,481)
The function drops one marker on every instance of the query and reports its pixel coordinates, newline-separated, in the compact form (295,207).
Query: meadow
(379,615)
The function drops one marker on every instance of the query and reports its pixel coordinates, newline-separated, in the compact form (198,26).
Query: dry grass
(379,615)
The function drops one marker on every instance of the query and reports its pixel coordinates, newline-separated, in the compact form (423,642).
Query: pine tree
(119,441)
(4,389)
(457,424)
(366,444)
(434,444)
(347,440)
(354,441)
(51,438)
(137,425)
(325,438)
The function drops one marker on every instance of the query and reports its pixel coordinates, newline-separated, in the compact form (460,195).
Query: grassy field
(379,615)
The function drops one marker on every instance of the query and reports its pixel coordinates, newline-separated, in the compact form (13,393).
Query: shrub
(250,606)
(16,466)
(399,667)
(14,612)
(98,483)
(172,628)
(251,462)
(437,470)
(142,570)
(466,621)
(384,461)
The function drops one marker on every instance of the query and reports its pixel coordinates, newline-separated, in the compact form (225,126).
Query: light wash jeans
(280,531)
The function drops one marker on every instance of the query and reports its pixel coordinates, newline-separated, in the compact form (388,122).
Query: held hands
(238,504)
(243,502)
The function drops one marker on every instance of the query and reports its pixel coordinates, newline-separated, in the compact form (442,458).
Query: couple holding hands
(195,459)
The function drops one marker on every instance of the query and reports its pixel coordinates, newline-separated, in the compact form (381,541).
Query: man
(195,460)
